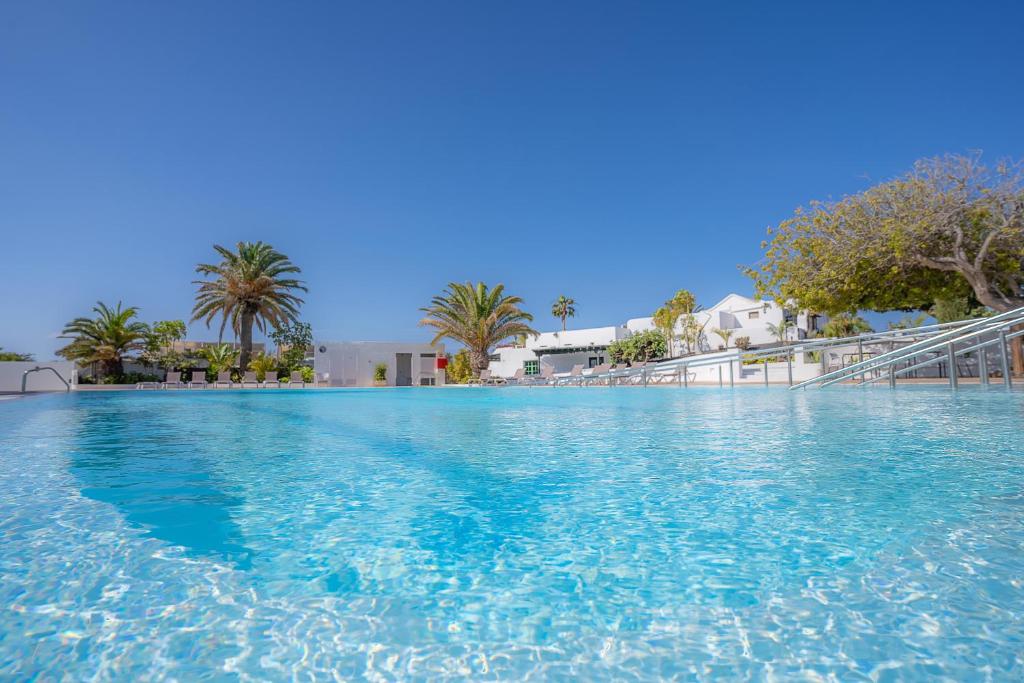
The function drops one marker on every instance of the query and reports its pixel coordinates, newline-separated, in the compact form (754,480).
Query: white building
(743,316)
(352,364)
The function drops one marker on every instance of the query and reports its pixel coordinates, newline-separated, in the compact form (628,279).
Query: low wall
(12,371)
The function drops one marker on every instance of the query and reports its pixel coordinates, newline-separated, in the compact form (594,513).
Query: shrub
(643,346)
(380,372)
(458,370)
(262,364)
(742,343)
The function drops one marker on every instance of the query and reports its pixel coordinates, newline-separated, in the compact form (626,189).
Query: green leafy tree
(680,310)
(846,325)
(643,346)
(14,356)
(950,227)
(106,340)
(458,370)
(564,308)
(250,286)
(380,372)
(294,339)
(477,316)
(954,309)
(159,345)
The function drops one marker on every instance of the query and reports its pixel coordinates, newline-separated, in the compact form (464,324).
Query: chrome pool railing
(38,368)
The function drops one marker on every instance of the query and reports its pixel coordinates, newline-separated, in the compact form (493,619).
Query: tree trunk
(563,323)
(113,368)
(245,335)
(478,361)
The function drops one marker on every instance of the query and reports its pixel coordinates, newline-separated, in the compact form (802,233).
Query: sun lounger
(296,381)
(271,378)
(598,374)
(224,378)
(484,378)
(574,375)
(198,379)
(173,379)
(519,377)
(250,378)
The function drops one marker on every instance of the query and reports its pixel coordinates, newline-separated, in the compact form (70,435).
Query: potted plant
(380,375)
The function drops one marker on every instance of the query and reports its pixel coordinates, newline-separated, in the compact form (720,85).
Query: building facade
(740,316)
(352,364)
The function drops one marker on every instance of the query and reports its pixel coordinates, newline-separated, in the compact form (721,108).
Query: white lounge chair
(250,378)
(271,378)
(575,375)
(198,379)
(173,379)
(224,378)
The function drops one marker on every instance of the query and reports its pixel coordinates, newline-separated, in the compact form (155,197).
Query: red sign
(442,363)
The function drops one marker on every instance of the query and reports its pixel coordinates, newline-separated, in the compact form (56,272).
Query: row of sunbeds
(605,373)
(173,380)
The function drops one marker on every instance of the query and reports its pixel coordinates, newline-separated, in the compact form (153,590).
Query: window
(753,315)
(494,357)
(427,381)
(531,367)
(594,361)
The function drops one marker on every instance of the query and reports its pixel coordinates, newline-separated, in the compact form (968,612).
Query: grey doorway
(403,369)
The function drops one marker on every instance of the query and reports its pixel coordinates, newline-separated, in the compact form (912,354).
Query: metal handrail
(983,325)
(939,359)
(24,377)
(931,344)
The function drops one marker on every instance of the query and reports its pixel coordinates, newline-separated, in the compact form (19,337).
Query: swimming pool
(513,533)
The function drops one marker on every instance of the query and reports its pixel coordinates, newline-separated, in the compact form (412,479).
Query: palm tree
(725,335)
(846,325)
(477,316)
(106,339)
(564,308)
(220,357)
(781,331)
(248,288)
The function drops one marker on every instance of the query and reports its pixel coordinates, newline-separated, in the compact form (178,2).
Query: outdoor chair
(172,379)
(224,378)
(250,378)
(271,378)
(296,381)
(198,379)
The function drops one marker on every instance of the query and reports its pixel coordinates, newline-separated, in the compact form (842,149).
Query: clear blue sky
(610,152)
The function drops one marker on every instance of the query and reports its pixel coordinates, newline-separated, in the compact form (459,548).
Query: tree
(159,344)
(15,356)
(950,227)
(681,310)
(261,364)
(478,317)
(846,325)
(249,286)
(954,309)
(908,322)
(294,339)
(458,370)
(105,340)
(564,308)
(781,331)
(221,357)
(724,335)
(641,347)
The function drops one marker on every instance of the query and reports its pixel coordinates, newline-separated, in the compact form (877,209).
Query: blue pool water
(513,534)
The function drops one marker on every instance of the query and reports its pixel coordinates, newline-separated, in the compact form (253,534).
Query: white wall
(351,364)
(12,371)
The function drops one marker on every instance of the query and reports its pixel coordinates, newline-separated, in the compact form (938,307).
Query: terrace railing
(880,355)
